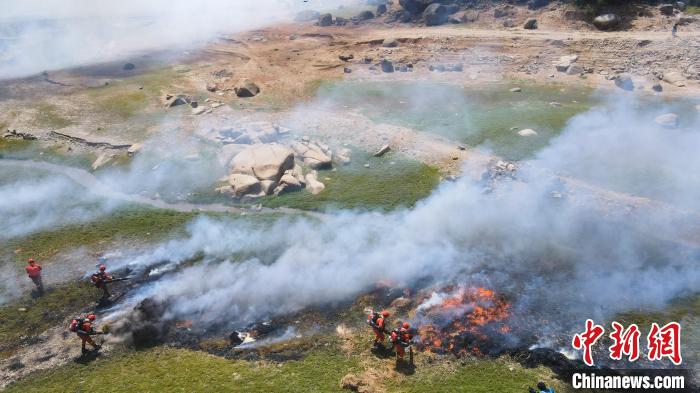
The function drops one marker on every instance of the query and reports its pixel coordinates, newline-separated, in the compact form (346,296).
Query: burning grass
(461,319)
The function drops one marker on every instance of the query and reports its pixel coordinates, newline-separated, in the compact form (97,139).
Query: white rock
(312,184)
(290,182)
(265,161)
(668,120)
(527,132)
(312,155)
(244,184)
(382,150)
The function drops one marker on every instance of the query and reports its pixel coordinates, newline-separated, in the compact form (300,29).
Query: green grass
(56,154)
(381,186)
(692,9)
(41,313)
(49,116)
(481,116)
(170,370)
(123,105)
(128,224)
(320,370)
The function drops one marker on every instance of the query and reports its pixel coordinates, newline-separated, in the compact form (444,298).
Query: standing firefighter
(401,339)
(34,272)
(378,320)
(100,279)
(82,326)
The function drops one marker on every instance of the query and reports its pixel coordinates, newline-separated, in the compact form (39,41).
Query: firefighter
(34,272)
(82,326)
(100,280)
(401,339)
(378,321)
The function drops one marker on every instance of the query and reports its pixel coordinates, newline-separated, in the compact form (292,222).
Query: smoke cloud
(559,259)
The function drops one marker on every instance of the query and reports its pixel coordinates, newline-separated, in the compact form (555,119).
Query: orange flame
(482,307)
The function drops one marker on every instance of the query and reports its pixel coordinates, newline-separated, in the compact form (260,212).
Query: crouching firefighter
(83,327)
(401,339)
(378,321)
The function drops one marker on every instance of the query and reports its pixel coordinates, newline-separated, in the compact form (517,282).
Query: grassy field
(35,150)
(129,224)
(39,314)
(389,182)
(51,116)
(482,116)
(320,370)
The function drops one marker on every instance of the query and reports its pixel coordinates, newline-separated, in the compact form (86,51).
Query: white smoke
(39,35)
(558,259)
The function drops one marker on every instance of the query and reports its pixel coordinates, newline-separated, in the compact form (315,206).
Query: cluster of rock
(14,134)
(327,19)
(271,168)
(498,171)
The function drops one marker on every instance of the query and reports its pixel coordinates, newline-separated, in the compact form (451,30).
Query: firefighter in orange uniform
(378,321)
(401,339)
(82,326)
(34,272)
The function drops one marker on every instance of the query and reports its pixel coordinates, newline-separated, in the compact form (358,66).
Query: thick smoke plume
(560,259)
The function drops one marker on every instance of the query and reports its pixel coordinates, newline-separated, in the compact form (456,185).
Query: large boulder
(246,88)
(606,21)
(265,162)
(435,14)
(325,20)
(244,184)
(312,155)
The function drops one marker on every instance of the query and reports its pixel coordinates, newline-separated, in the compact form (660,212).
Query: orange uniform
(83,328)
(378,323)
(34,272)
(401,338)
